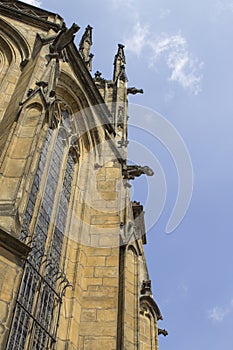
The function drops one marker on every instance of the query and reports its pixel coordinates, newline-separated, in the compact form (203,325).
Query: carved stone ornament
(48,83)
(98,75)
(164,332)
(146,288)
(75,151)
(98,79)
(89,62)
(134,91)
(122,75)
(54,116)
(123,143)
(64,38)
(119,64)
(120,117)
(85,47)
(129,172)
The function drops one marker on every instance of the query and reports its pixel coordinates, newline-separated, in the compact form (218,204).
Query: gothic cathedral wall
(70,277)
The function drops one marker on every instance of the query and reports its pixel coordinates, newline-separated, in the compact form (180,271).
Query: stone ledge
(13,245)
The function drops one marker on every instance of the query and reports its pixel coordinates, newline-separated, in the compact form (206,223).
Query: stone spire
(85,46)
(119,64)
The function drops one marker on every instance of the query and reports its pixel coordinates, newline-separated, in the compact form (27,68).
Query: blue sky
(181,54)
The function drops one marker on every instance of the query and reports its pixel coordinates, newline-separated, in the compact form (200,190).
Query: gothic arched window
(39,300)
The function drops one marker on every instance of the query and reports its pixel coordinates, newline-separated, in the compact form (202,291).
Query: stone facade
(72,269)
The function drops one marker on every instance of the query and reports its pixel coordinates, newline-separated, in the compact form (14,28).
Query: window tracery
(36,313)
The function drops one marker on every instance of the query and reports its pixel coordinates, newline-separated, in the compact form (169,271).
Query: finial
(98,74)
(86,43)
(120,53)
(119,63)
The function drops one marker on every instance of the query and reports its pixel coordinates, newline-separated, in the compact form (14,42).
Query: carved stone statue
(146,287)
(119,64)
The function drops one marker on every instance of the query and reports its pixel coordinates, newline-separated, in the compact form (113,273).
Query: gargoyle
(134,91)
(163,332)
(63,39)
(129,172)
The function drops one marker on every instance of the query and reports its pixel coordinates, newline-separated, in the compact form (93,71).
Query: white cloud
(184,68)
(125,3)
(183,289)
(217,314)
(164,13)
(138,40)
(169,96)
(224,5)
(33,2)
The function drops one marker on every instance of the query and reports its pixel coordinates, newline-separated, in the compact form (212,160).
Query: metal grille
(37,307)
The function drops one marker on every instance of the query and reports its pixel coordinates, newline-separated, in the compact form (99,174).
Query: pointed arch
(131,306)
(15,53)
(68,91)
(149,302)
(148,327)
(16,39)
(37,311)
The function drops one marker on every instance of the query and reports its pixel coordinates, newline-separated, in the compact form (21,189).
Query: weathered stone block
(14,168)
(21,148)
(106,271)
(93,281)
(100,343)
(113,173)
(108,196)
(96,261)
(112,261)
(102,220)
(106,186)
(99,303)
(100,329)
(9,187)
(89,271)
(110,281)
(107,315)
(88,315)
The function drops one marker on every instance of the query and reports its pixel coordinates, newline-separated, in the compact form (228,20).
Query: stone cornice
(31,17)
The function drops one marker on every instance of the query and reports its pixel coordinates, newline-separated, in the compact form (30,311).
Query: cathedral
(73,274)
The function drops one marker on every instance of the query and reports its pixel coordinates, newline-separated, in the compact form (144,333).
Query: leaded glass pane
(56,246)
(35,187)
(38,297)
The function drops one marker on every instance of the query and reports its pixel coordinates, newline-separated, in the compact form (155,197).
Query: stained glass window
(36,313)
